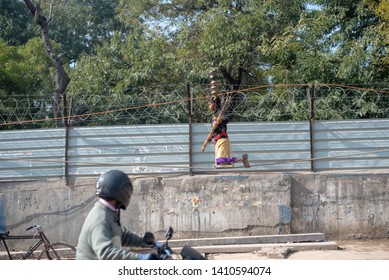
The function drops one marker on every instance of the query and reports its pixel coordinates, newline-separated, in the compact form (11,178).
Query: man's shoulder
(99,213)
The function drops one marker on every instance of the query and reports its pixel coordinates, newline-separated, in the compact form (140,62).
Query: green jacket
(102,237)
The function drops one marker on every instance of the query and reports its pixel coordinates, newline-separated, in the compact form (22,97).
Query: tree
(248,42)
(218,34)
(61,78)
(113,47)
(16,27)
(78,25)
(223,35)
(81,26)
(116,75)
(381,10)
(25,87)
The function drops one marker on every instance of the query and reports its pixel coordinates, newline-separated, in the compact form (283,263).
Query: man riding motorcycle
(102,236)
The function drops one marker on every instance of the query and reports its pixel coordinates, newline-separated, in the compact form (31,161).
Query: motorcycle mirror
(148,238)
(169,233)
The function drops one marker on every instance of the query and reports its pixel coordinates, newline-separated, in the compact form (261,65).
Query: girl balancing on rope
(223,151)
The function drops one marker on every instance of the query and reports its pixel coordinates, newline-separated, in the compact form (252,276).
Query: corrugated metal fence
(272,146)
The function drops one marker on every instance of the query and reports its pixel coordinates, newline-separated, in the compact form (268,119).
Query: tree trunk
(61,78)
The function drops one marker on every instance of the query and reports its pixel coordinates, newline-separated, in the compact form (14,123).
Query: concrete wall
(338,205)
(341,205)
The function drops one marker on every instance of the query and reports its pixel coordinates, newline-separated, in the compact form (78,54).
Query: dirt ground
(377,249)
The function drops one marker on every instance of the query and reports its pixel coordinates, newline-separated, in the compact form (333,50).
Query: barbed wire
(170,104)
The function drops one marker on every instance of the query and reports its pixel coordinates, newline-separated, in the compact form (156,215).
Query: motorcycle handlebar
(164,252)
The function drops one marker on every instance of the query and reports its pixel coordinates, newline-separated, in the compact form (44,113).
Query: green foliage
(16,27)
(356,45)
(118,70)
(126,54)
(381,28)
(25,83)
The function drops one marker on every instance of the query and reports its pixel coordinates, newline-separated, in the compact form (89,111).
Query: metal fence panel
(147,149)
(355,145)
(28,154)
(134,149)
(280,146)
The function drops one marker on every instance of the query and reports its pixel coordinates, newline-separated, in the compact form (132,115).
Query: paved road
(347,250)
(377,249)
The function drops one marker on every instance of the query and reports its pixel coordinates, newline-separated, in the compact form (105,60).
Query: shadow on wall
(63,212)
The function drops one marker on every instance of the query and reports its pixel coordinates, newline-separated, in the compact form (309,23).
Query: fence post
(190,103)
(3,223)
(67,124)
(311,116)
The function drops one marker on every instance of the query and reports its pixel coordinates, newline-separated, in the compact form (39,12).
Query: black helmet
(115,184)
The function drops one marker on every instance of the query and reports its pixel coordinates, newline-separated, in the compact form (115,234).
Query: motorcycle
(164,252)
